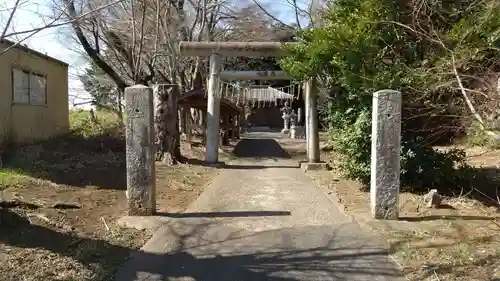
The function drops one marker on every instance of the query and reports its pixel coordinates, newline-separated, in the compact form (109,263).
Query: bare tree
(477,82)
(305,13)
(136,42)
(56,21)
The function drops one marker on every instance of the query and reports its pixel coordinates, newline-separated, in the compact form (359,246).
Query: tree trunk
(167,124)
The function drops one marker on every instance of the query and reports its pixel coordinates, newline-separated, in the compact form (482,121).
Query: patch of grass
(93,153)
(477,137)
(74,160)
(11,178)
(461,254)
(191,178)
(82,123)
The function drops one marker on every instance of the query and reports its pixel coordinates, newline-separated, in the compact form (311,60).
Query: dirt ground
(60,227)
(458,242)
(57,221)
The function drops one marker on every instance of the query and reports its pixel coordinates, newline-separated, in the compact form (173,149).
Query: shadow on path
(255,150)
(258,167)
(254,267)
(211,252)
(233,166)
(226,214)
(260,148)
(452,217)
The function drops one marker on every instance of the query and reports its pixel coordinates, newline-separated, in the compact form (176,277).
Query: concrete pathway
(261,219)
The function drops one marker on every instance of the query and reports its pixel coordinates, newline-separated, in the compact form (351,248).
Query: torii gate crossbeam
(254,75)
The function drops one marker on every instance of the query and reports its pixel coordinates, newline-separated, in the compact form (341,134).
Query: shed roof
(33,52)
(196,98)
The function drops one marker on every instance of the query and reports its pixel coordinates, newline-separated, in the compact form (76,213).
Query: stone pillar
(293,125)
(213,112)
(140,150)
(385,154)
(299,116)
(312,132)
(286,123)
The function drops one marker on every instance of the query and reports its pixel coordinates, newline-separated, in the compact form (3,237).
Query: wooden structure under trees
(230,115)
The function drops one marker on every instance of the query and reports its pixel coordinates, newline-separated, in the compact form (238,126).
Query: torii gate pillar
(213,112)
(312,131)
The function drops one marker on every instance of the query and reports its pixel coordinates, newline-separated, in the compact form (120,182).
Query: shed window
(28,87)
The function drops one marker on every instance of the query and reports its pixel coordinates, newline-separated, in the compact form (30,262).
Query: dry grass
(40,242)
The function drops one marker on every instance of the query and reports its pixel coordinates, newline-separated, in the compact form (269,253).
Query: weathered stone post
(286,109)
(286,124)
(312,132)
(293,125)
(213,112)
(299,116)
(385,154)
(140,150)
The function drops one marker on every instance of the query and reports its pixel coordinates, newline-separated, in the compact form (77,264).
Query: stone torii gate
(216,50)
(140,145)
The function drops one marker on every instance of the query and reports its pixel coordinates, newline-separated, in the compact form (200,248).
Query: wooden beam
(254,75)
(232,49)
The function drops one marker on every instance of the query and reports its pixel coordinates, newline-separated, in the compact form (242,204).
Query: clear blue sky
(32,14)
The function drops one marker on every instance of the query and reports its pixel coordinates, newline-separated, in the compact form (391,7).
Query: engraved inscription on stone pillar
(385,154)
(140,150)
